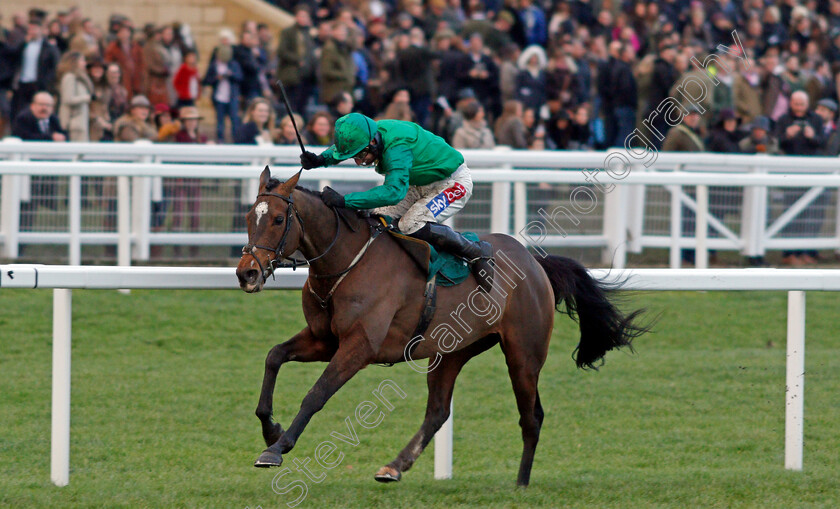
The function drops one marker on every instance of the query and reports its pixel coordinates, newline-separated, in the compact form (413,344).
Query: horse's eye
(279,220)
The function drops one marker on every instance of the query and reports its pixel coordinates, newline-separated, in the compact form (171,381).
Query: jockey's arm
(327,154)
(390,192)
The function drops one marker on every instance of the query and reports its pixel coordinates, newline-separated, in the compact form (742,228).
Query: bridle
(277,262)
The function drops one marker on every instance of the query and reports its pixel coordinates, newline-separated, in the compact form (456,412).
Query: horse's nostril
(251,275)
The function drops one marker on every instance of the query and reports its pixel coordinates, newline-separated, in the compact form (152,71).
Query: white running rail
(620,227)
(65,278)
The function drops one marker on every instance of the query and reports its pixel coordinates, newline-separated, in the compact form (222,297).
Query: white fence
(749,204)
(65,278)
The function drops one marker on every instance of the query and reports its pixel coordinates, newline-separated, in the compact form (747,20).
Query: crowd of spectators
(528,74)
(574,74)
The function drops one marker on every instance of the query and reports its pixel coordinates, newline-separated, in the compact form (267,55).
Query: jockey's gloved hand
(309,160)
(332,197)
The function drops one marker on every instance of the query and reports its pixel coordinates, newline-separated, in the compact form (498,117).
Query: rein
(276,262)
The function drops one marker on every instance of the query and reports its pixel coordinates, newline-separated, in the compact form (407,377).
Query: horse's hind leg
(440,382)
(525,358)
(303,347)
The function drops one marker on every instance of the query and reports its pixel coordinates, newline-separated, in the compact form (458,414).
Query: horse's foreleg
(353,355)
(441,382)
(303,347)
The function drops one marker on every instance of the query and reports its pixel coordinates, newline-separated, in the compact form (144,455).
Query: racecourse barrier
(63,279)
(745,203)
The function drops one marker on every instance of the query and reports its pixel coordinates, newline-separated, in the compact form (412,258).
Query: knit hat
(828,103)
(761,122)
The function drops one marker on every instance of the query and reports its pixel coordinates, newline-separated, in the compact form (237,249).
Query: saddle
(447,269)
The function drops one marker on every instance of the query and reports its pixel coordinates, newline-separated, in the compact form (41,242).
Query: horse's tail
(602,326)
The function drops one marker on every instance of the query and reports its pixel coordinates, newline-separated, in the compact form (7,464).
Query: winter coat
(473,135)
(747,99)
(766,145)
(723,141)
(212,78)
(620,90)
(127,128)
(250,86)
(158,70)
(511,131)
(132,64)
(185,79)
(76,92)
(26,127)
(799,145)
(682,138)
(530,89)
(47,62)
(414,71)
(338,71)
(296,61)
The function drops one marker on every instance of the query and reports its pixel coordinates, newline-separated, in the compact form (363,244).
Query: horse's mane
(274,183)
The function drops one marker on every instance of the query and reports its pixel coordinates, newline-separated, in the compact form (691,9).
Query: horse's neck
(320,231)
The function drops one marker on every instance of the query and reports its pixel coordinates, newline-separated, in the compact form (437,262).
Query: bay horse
(364,297)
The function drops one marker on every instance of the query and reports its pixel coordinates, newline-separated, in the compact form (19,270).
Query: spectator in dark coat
(38,123)
(558,131)
(827,110)
(37,62)
(258,125)
(664,77)
(296,62)
(450,62)
(414,72)
(481,74)
(246,54)
(725,136)
(583,77)
(9,63)
(531,80)
(580,133)
(338,71)
(800,132)
(619,93)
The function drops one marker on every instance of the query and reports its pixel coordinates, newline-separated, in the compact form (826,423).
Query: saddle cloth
(450,270)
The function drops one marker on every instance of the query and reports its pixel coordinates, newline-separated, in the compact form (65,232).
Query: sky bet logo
(439,203)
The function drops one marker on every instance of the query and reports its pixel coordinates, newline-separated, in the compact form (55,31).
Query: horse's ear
(289,185)
(264,176)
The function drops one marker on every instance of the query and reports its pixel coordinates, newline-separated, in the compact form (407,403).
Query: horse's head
(274,231)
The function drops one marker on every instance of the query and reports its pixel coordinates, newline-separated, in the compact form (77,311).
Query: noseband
(276,262)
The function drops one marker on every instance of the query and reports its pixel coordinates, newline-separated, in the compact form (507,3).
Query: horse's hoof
(268,459)
(388,474)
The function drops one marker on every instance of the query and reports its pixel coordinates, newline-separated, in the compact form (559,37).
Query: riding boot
(479,254)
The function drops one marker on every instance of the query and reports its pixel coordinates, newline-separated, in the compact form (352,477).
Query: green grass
(165,384)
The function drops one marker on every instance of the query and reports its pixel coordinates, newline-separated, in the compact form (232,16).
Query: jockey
(426,182)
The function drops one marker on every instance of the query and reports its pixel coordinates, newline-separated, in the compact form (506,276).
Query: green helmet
(353,133)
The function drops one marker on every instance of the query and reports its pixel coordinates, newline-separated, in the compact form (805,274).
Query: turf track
(165,384)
